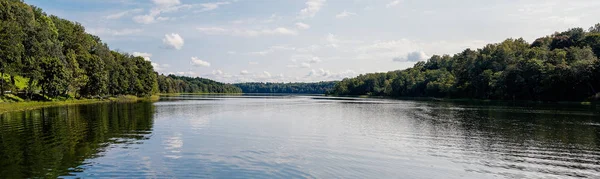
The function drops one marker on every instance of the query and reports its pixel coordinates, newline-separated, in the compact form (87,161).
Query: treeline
(301,88)
(182,84)
(58,58)
(560,67)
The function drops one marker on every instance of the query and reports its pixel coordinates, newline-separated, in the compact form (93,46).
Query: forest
(182,84)
(290,88)
(44,55)
(563,66)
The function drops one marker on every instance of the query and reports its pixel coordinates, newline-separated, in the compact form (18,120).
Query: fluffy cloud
(393,3)
(246,32)
(244,72)
(412,57)
(197,62)
(145,55)
(344,14)
(173,41)
(302,26)
(158,67)
(312,7)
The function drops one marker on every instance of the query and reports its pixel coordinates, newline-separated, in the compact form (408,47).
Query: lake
(213,136)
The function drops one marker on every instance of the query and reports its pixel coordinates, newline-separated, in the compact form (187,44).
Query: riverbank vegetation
(560,67)
(21,105)
(289,88)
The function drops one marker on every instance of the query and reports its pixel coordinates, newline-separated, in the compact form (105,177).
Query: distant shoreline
(469,100)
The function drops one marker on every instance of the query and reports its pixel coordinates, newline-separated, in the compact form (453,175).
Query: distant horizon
(241,41)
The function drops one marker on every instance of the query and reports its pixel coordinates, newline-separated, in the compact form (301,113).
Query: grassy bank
(30,105)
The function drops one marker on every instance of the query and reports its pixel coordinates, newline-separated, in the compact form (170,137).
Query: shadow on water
(52,142)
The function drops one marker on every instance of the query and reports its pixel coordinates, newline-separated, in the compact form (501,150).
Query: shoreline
(470,100)
(32,105)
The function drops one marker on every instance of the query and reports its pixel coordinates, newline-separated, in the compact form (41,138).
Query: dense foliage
(182,84)
(58,58)
(291,88)
(560,67)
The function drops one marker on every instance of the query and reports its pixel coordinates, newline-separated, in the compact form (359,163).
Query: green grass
(30,105)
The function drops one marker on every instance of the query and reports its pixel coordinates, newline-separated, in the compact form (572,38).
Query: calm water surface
(301,137)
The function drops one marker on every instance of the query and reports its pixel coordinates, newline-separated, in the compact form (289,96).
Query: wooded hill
(560,67)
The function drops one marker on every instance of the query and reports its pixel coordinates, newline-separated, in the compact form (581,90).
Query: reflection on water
(302,137)
(52,142)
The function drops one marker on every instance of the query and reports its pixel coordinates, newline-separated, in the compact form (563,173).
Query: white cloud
(197,62)
(187,73)
(163,6)
(246,32)
(144,19)
(283,31)
(244,72)
(252,63)
(312,7)
(412,57)
(211,6)
(302,26)
(166,3)
(322,74)
(122,14)
(267,74)
(113,32)
(158,67)
(173,41)
(393,3)
(145,55)
(217,72)
(344,14)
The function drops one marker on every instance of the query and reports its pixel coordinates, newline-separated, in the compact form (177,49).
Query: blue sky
(311,40)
